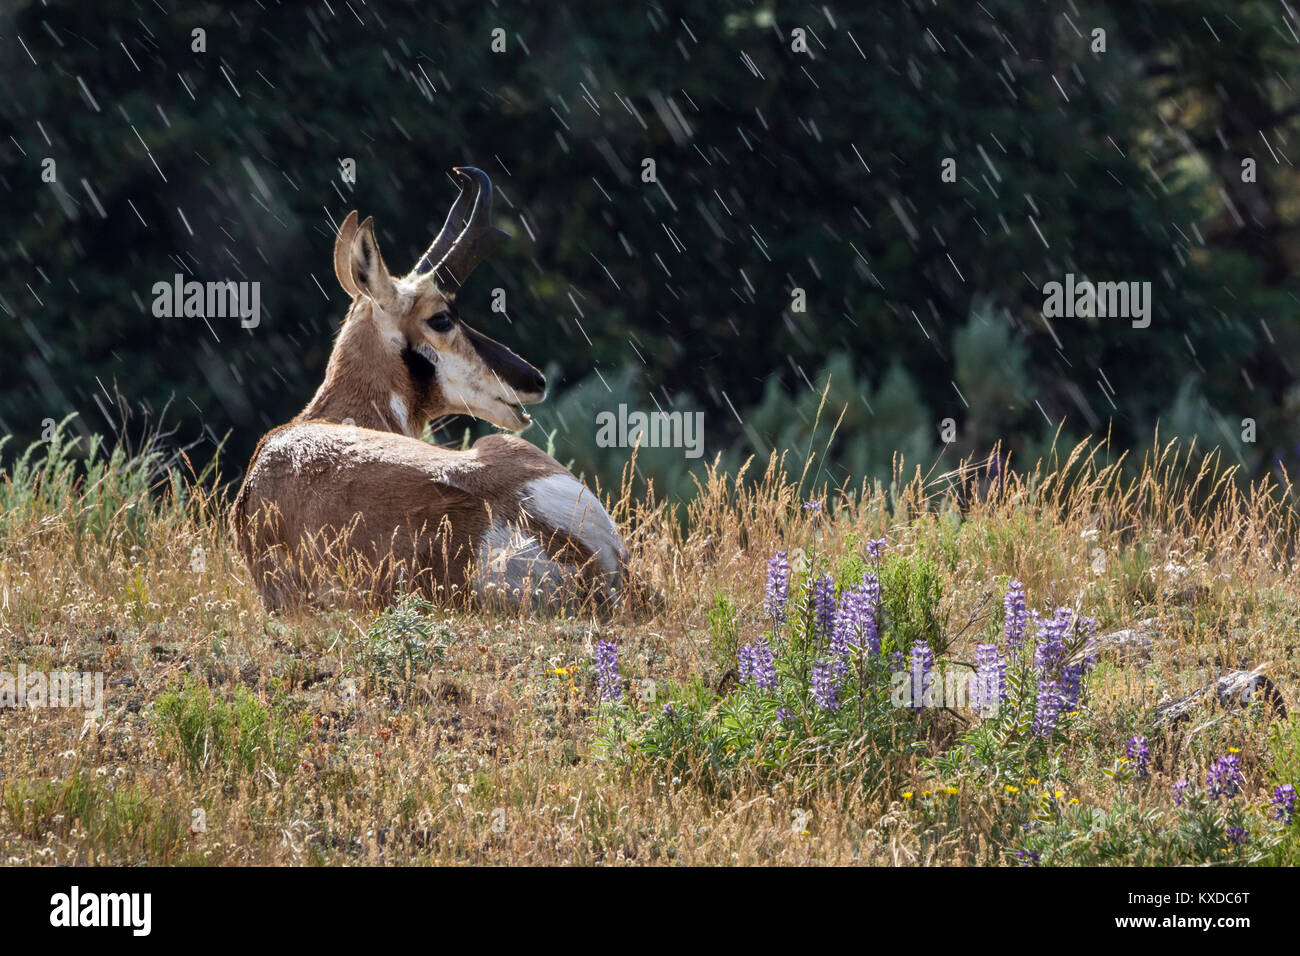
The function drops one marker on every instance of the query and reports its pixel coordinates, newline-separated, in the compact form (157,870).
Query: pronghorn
(349,484)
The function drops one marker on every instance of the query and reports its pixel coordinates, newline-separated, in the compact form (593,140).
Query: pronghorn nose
(539,383)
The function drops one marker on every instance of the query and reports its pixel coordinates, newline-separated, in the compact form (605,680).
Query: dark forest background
(777,170)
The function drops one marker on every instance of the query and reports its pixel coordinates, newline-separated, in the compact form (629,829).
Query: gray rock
(1232,691)
(1131,643)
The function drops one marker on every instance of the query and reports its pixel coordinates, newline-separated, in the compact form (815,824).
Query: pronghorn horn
(451,229)
(475,242)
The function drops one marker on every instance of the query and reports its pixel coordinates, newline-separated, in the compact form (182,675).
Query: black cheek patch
(423,375)
(421,370)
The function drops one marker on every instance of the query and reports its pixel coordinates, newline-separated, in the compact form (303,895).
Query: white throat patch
(398,406)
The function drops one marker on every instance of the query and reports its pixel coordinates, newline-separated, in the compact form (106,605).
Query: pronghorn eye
(442,321)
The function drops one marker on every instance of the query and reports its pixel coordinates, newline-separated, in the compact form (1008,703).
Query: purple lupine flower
(1071,686)
(777,592)
(855,623)
(825,687)
(1225,778)
(1050,651)
(669,712)
(1028,857)
(763,666)
(847,630)
(871,633)
(1048,708)
(990,678)
(815,505)
(875,547)
(922,664)
(1139,753)
(855,617)
(1236,835)
(1284,803)
(870,587)
(1072,674)
(1180,791)
(782,715)
(608,686)
(1016,616)
(823,604)
(839,649)
(745,662)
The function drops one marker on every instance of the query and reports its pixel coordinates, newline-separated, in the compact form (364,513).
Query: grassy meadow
(653,735)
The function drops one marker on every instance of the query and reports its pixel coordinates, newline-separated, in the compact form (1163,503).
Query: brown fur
(419,534)
(343,498)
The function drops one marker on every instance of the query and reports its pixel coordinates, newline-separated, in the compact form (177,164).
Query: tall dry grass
(476,747)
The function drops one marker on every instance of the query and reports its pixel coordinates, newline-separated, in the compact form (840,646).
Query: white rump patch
(511,561)
(566,504)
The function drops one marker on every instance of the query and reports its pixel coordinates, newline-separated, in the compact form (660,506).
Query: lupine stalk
(870,590)
(1049,653)
(745,662)
(1139,753)
(1047,710)
(823,604)
(1016,616)
(839,647)
(922,663)
(777,592)
(1225,778)
(763,667)
(990,678)
(824,686)
(608,686)
(1284,803)
(855,617)
(1052,652)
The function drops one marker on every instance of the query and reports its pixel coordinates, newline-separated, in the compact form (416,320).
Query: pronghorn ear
(342,252)
(366,267)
